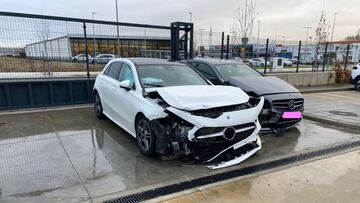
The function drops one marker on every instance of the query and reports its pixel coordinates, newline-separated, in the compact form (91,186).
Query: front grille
(284,104)
(216,112)
(219,138)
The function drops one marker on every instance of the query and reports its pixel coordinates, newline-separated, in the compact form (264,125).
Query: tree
(244,20)
(353,37)
(322,34)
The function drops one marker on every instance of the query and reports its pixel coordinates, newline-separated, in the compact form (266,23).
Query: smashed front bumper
(209,143)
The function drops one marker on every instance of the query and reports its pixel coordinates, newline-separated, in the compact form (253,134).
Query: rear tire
(98,107)
(145,137)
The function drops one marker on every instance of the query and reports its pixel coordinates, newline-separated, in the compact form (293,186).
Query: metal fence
(37,46)
(304,55)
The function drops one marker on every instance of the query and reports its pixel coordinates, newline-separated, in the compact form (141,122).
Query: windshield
(168,75)
(236,70)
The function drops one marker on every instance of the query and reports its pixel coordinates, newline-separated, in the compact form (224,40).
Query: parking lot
(70,156)
(341,107)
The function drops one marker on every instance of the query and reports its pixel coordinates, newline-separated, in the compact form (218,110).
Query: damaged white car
(170,109)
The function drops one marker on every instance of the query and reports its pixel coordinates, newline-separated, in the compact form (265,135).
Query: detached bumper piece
(235,154)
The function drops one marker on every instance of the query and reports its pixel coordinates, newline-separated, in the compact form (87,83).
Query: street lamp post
(93,26)
(190,13)
(145,43)
(332,35)
(117,30)
(306,42)
(201,32)
(258,38)
(283,37)
(333,27)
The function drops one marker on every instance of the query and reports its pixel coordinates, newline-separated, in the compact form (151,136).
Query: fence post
(347,55)
(222,46)
(86,52)
(325,56)
(227,46)
(266,54)
(298,59)
(191,44)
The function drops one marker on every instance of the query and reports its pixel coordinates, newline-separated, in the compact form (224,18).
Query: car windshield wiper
(152,85)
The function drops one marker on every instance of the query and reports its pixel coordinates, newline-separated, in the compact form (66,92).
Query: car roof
(214,61)
(152,61)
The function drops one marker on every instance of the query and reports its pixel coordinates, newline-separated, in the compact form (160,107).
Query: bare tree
(244,20)
(44,36)
(322,34)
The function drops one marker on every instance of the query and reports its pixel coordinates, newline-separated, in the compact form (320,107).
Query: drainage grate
(169,189)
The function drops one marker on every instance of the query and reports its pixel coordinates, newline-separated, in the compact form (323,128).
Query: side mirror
(355,68)
(125,84)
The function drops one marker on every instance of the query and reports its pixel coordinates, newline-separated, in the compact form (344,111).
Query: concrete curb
(331,122)
(319,90)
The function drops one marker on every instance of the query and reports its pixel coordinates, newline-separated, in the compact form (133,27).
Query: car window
(236,70)
(127,74)
(113,70)
(164,75)
(206,71)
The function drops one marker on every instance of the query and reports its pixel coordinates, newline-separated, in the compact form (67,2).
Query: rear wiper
(153,85)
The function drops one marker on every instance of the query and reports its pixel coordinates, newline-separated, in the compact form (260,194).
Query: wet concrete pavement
(70,156)
(339,107)
(335,179)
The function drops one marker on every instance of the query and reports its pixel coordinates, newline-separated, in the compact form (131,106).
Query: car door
(125,100)
(109,84)
(207,72)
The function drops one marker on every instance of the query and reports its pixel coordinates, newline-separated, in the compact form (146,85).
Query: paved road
(70,156)
(319,181)
(339,107)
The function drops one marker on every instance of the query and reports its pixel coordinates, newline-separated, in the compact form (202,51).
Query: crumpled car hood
(263,85)
(195,97)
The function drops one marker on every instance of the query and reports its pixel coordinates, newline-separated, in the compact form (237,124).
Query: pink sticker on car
(292,115)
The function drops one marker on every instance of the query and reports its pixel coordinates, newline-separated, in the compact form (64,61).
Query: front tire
(145,137)
(357,84)
(98,106)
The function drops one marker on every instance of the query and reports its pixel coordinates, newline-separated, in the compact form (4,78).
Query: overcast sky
(278,17)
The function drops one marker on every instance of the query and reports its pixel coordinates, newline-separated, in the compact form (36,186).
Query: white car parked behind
(169,108)
(355,75)
(103,58)
(258,62)
(81,58)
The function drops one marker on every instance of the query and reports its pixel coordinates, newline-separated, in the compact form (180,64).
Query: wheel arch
(357,78)
(137,116)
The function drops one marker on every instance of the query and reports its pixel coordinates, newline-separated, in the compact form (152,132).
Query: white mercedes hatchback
(170,109)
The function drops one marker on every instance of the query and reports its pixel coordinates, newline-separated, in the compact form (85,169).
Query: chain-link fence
(34,46)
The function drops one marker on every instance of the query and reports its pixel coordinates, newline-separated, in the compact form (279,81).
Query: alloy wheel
(144,134)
